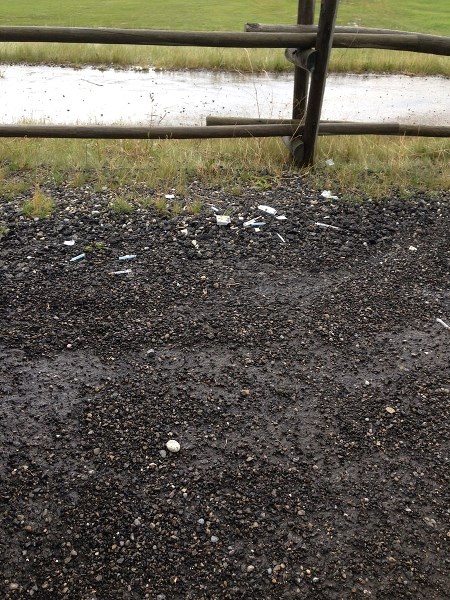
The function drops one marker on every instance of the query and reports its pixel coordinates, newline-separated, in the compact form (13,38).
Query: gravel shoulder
(301,368)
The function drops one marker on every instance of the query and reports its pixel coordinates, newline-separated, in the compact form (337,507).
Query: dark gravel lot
(307,382)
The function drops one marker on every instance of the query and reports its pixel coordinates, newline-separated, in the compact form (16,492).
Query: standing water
(57,95)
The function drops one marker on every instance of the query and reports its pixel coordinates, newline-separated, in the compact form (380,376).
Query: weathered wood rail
(307,46)
(412,42)
(218,127)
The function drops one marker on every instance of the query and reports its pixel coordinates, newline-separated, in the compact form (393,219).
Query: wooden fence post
(305,16)
(324,43)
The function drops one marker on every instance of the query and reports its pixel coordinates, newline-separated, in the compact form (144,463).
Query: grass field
(412,15)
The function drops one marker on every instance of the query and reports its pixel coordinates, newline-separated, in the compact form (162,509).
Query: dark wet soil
(306,380)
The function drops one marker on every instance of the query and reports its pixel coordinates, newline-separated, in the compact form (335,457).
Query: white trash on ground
(328,194)
(267,209)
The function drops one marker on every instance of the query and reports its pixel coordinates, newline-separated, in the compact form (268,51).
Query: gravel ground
(307,382)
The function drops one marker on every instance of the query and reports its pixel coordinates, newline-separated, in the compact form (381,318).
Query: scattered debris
(267,209)
(328,194)
(390,410)
(443,323)
(319,224)
(412,248)
(173,446)
(254,223)
(223,220)
(79,257)
(169,196)
(194,243)
(281,218)
(69,243)
(281,238)
(214,208)
(127,257)
(329,162)
(124,272)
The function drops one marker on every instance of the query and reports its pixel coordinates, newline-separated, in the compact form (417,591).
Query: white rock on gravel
(173,446)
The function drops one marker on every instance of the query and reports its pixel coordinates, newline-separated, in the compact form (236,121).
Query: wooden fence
(307,46)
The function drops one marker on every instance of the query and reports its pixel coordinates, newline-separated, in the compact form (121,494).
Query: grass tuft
(194,207)
(4,230)
(39,206)
(121,206)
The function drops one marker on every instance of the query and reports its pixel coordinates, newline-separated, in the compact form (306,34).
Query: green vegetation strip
(369,166)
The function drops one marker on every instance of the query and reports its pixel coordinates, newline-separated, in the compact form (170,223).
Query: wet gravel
(300,368)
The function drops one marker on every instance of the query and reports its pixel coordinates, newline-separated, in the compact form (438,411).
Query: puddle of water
(59,95)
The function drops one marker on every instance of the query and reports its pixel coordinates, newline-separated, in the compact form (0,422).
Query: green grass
(412,15)
(39,205)
(121,206)
(363,165)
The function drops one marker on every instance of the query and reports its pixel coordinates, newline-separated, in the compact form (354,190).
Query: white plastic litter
(267,209)
(169,196)
(127,257)
(328,194)
(281,218)
(281,238)
(329,162)
(254,223)
(443,323)
(319,224)
(124,272)
(412,248)
(69,243)
(223,220)
(79,257)
(214,208)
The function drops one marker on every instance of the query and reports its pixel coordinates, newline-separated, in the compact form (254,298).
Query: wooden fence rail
(412,42)
(220,128)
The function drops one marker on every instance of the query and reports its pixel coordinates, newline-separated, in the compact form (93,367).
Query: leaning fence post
(305,16)
(324,42)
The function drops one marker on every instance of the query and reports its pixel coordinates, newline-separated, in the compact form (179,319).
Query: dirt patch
(305,377)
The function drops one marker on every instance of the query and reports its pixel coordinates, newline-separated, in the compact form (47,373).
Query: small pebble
(96,451)
(250,568)
(214,539)
(163,453)
(173,446)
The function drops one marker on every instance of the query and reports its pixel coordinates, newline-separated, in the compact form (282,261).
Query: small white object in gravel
(443,323)
(69,243)
(214,539)
(269,210)
(328,194)
(223,220)
(173,446)
(412,248)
